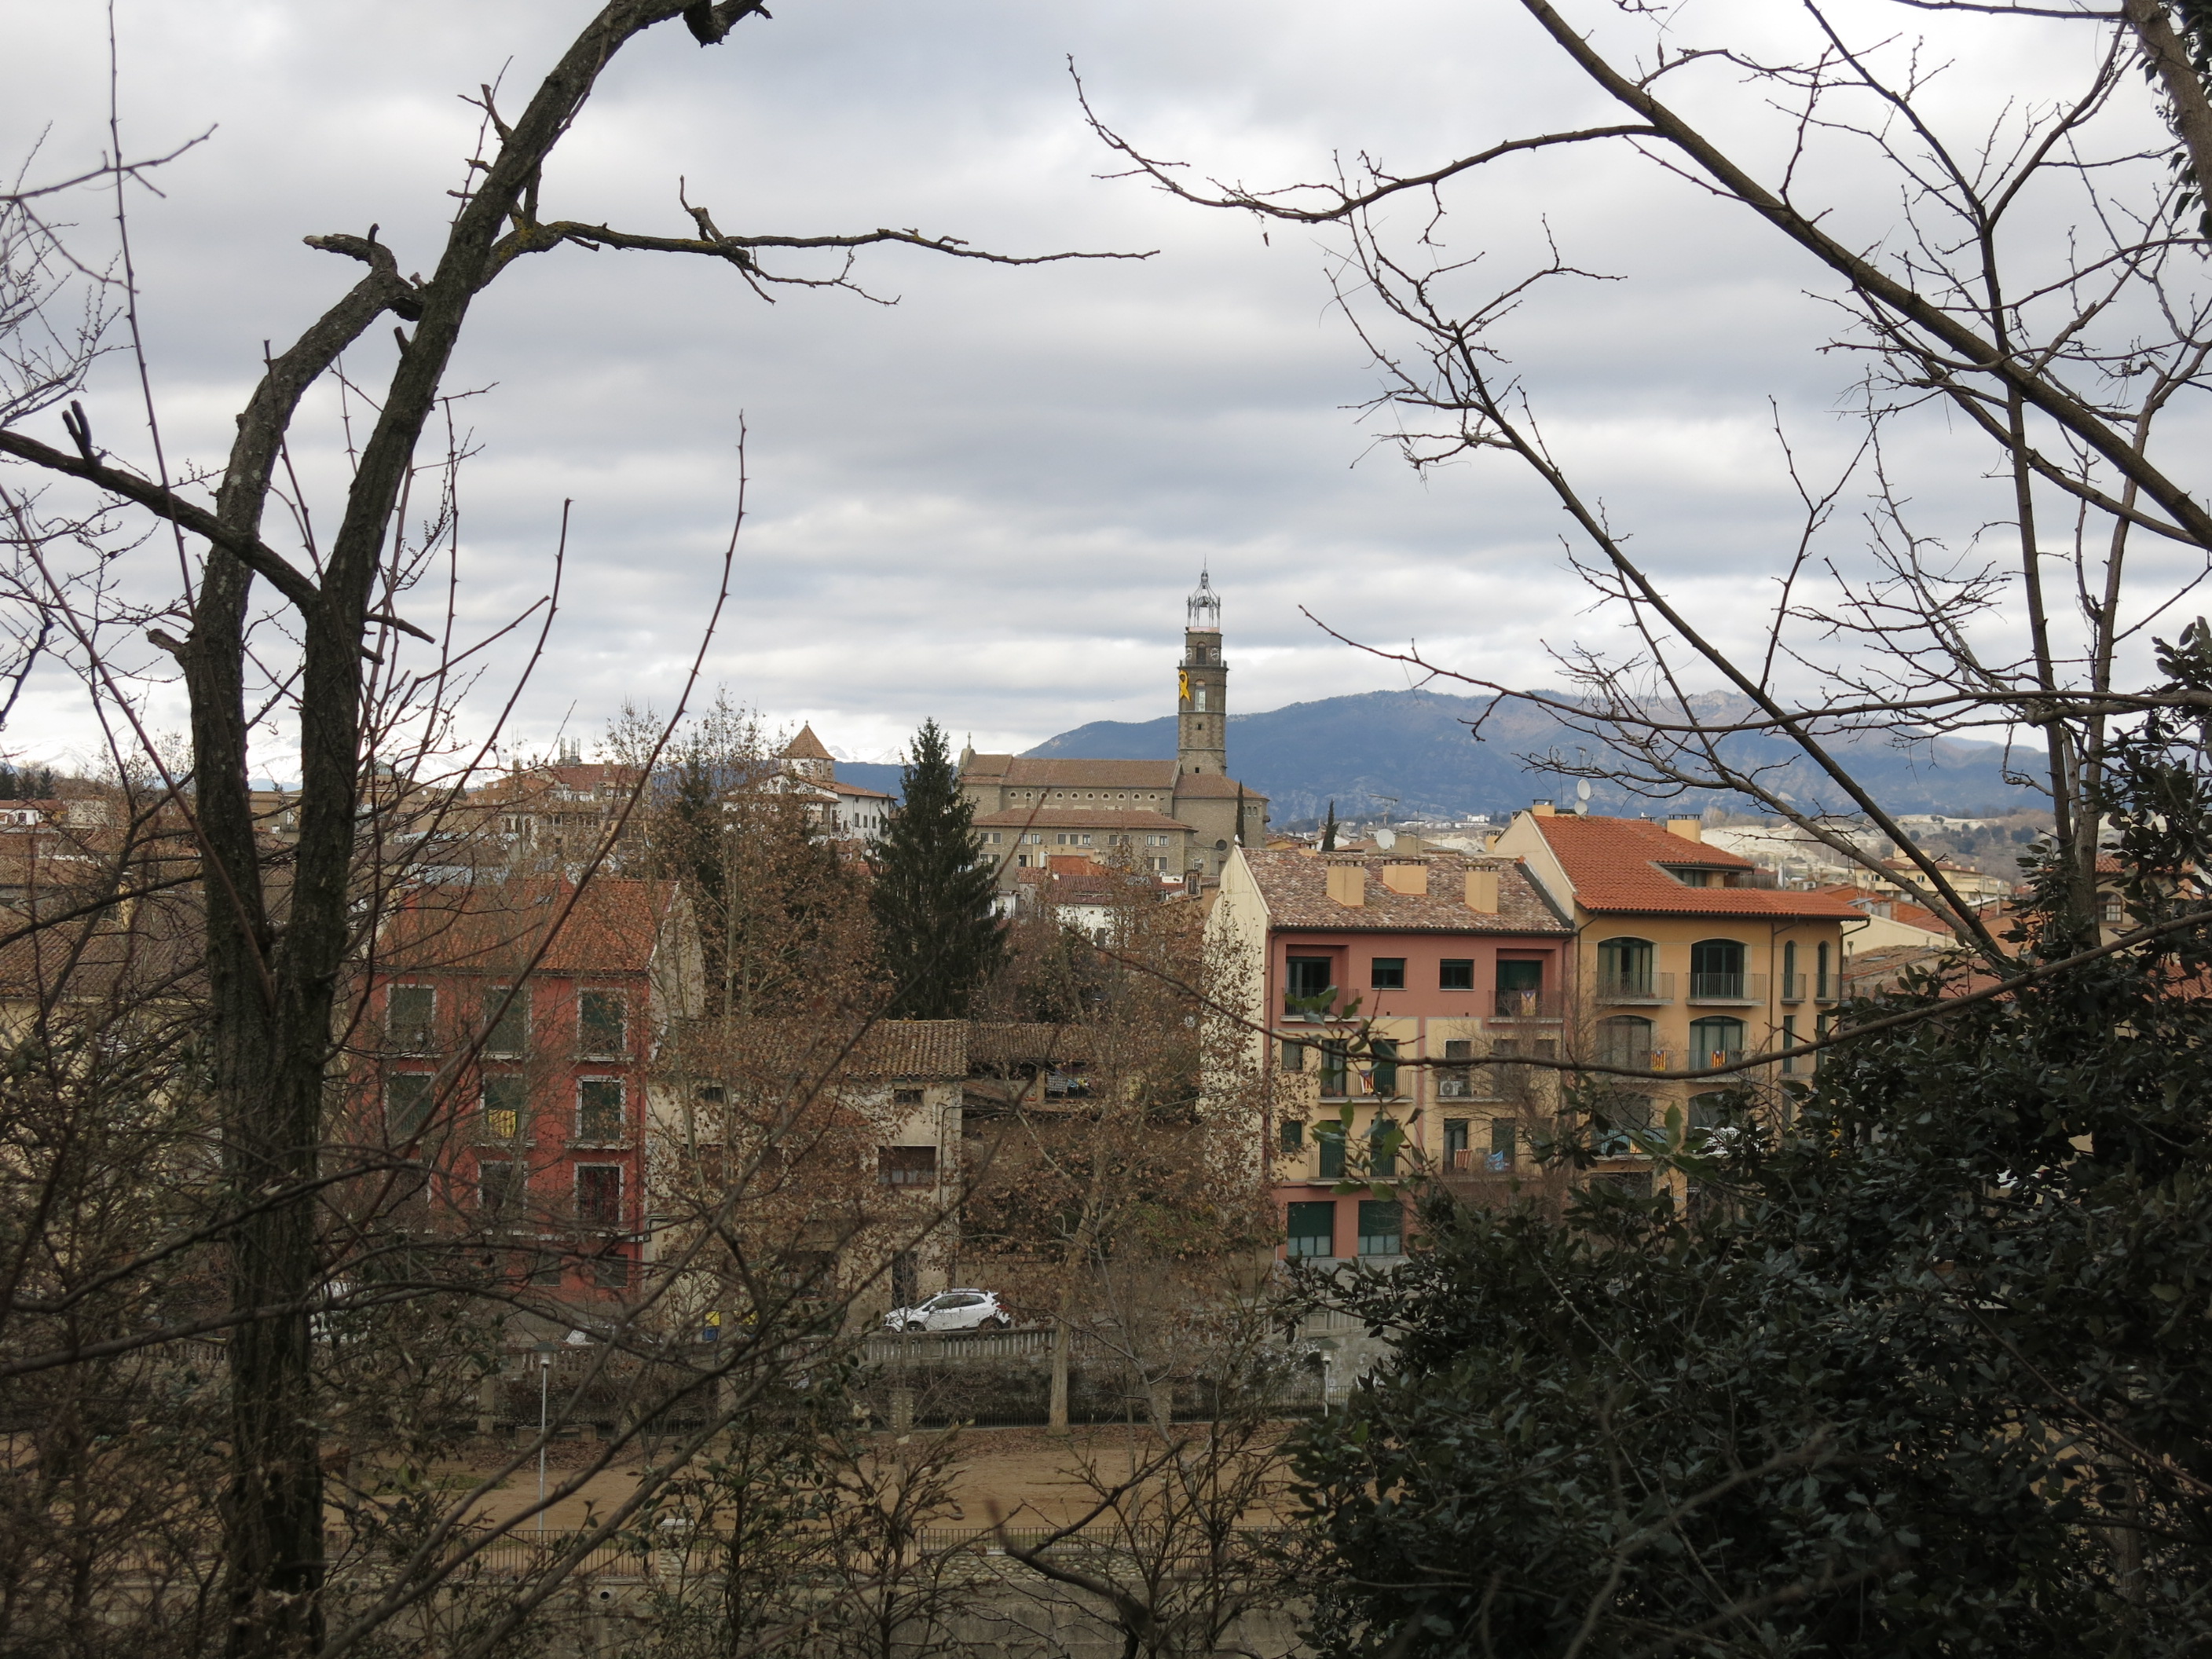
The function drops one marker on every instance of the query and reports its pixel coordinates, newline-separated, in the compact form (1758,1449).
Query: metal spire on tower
(1203,608)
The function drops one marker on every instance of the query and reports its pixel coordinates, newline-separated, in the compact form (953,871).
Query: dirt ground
(1018,1475)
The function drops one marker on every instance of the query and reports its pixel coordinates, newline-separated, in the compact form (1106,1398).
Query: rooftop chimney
(1542,809)
(1482,892)
(1348,882)
(1409,876)
(1688,828)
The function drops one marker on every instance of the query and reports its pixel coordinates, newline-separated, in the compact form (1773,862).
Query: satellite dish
(1386,838)
(1581,792)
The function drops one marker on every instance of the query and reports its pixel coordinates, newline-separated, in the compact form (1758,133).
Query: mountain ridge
(1411,752)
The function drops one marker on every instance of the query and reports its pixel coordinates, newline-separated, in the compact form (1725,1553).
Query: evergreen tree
(940,940)
(1328,830)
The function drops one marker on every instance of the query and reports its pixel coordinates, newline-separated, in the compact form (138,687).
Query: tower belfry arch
(1202,686)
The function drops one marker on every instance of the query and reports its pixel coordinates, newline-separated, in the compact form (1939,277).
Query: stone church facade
(1177,818)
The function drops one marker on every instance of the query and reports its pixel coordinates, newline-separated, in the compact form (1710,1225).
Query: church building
(1177,818)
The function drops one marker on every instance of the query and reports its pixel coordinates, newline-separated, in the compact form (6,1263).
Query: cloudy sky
(986,502)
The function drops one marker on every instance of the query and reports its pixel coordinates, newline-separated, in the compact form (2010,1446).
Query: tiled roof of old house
(1034,772)
(1211,785)
(1296,888)
(805,746)
(1888,906)
(1620,865)
(612,926)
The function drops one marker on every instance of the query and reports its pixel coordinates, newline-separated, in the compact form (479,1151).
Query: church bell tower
(1202,687)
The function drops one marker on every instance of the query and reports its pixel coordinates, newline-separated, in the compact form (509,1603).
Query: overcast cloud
(986,502)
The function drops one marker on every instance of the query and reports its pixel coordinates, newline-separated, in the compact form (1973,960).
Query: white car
(953,1310)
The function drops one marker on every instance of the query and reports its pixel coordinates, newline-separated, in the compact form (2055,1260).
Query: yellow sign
(1183,683)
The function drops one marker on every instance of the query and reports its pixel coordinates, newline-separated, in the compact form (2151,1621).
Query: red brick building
(513,1025)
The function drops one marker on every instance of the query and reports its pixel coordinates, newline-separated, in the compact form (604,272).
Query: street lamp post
(544,1351)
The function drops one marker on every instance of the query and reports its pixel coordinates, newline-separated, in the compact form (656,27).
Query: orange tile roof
(1898,909)
(1618,863)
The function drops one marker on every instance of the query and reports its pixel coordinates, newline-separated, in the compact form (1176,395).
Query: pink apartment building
(1451,959)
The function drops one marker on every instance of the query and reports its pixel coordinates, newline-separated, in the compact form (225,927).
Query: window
(2111,909)
(1625,1040)
(1334,1070)
(602,1021)
(1293,1135)
(1328,1141)
(599,1108)
(598,1195)
(1035,838)
(1156,841)
(1384,1139)
(1716,1041)
(1520,989)
(408,1098)
(1310,976)
(1456,1143)
(907,1166)
(1388,974)
(1382,1227)
(1312,1229)
(1456,973)
(505,1099)
(507,1020)
(496,1189)
(908,1099)
(1823,987)
(1456,1082)
(409,1016)
(1294,1055)
(1716,969)
(1624,968)
(993,838)
(1504,1143)
(1792,987)
(1384,1075)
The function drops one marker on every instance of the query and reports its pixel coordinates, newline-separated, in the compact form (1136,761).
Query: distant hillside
(1365,752)
(875,774)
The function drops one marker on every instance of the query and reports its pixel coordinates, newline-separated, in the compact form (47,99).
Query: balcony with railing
(1728,987)
(1525,1005)
(1826,988)
(1793,988)
(1617,988)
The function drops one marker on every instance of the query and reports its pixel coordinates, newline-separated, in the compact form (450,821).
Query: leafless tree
(282,933)
(2042,284)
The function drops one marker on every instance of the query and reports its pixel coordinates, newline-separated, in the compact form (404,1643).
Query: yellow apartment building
(1680,961)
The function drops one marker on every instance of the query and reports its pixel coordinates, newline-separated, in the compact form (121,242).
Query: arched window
(1624,968)
(1825,989)
(1715,1041)
(1791,989)
(1716,968)
(1625,1040)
